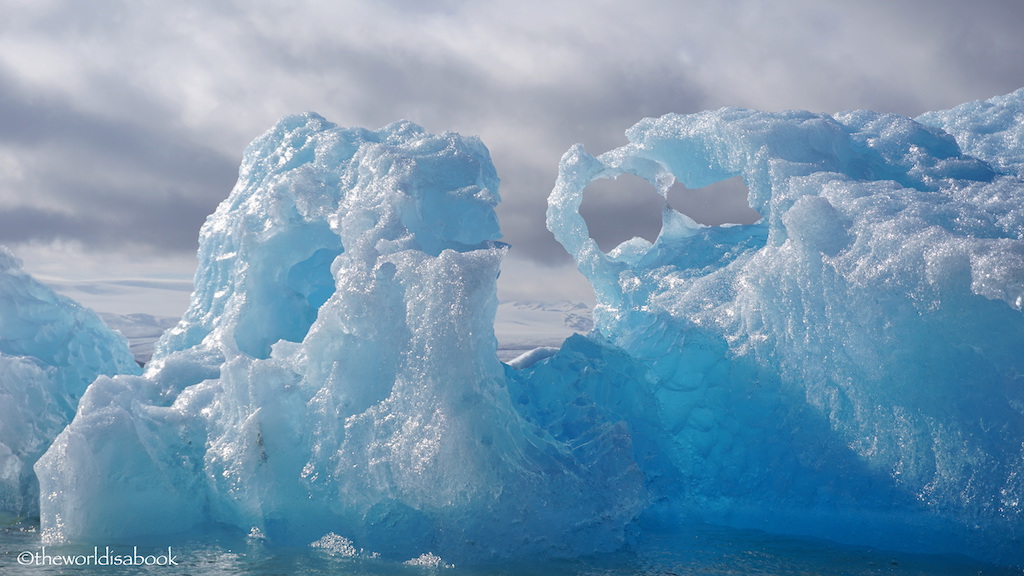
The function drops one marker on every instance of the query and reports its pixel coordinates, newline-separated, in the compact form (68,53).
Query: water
(701,551)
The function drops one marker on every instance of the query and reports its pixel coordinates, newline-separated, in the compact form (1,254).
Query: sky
(122,122)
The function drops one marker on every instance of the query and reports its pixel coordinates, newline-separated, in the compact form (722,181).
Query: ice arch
(828,369)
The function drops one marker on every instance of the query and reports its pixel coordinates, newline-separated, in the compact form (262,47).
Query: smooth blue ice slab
(849,367)
(336,374)
(51,348)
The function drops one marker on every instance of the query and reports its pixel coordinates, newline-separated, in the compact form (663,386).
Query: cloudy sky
(122,122)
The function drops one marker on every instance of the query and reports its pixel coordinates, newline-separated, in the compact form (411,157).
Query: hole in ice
(620,209)
(629,206)
(723,202)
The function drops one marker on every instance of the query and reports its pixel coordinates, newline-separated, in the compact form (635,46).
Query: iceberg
(849,367)
(337,374)
(51,349)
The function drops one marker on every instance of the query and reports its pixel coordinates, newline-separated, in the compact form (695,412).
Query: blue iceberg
(51,349)
(336,375)
(849,367)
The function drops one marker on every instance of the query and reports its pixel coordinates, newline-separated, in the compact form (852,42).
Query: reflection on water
(702,551)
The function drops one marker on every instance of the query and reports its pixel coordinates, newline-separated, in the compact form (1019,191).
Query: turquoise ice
(337,374)
(849,367)
(51,349)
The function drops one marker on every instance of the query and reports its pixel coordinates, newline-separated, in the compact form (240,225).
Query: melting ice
(849,367)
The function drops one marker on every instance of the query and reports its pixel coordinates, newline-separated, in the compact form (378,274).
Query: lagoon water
(700,551)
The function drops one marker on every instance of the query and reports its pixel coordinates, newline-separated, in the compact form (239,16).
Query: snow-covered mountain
(524,326)
(519,327)
(141,330)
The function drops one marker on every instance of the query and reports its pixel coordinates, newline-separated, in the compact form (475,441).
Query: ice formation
(849,367)
(51,348)
(337,373)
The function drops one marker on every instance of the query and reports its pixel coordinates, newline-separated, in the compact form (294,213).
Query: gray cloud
(122,125)
(103,181)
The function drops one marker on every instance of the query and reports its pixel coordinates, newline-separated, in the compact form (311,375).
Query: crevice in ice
(287,299)
(312,278)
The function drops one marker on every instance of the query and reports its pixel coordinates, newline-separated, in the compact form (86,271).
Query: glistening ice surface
(337,376)
(850,367)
